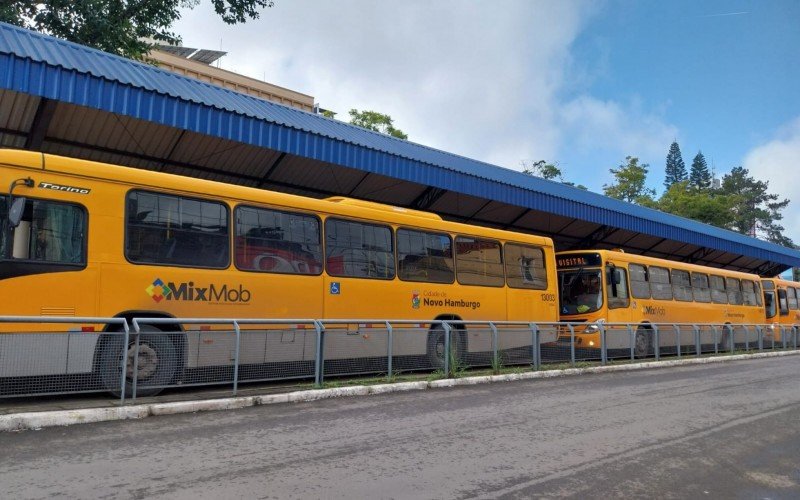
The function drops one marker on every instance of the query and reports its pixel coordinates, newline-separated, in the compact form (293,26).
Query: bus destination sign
(578,260)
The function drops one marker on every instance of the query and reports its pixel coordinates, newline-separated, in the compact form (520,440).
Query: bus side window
(640,289)
(791,298)
(734,289)
(618,290)
(718,293)
(783,306)
(681,285)
(749,293)
(660,286)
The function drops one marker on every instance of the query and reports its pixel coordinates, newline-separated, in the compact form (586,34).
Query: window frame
(723,290)
(320,233)
(502,283)
(392,243)
(667,285)
(56,266)
(646,281)
(429,232)
(228,234)
(707,288)
(688,276)
(505,265)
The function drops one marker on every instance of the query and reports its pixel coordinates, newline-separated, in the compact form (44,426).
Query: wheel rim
(148,361)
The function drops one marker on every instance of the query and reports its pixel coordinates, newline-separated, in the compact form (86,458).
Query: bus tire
(643,342)
(436,351)
(156,368)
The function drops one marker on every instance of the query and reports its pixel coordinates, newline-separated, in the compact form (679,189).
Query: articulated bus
(611,286)
(782,306)
(87,239)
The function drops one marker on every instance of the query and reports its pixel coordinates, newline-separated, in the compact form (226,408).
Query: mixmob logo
(158,290)
(189,291)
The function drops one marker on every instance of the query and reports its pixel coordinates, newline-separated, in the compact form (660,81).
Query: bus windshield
(580,291)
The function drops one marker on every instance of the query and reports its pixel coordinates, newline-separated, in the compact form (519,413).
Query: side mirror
(16,211)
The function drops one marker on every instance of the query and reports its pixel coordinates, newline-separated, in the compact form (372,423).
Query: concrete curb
(38,420)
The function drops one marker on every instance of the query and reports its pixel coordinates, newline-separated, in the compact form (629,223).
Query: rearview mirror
(16,211)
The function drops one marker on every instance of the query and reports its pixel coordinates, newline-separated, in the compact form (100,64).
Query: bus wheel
(156,366)
(436,350)
(643,343)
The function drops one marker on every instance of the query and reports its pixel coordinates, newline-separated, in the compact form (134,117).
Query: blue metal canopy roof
(32,63)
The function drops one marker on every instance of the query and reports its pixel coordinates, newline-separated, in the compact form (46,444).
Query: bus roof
(365,210)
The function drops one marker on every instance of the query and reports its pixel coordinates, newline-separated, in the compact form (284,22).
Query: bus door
(618,303)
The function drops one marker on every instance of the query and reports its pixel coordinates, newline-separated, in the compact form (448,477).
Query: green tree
(378,122)
(756,212)
(118,26)
(699,205)
(699,176)
(629,183)
(675,170)
(547,171)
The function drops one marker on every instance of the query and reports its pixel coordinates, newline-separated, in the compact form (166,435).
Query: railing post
(389,350)
(537,342)
(572,344)
(236,357)
(746,338)
(760,333)
(446,354)
(603,352)
(677,339)
(696,340)
(657,343)
(716,339)
(632,337)
(532,328)
(731,339)
(319,365)
(135,359)
(495,359)
(122,375)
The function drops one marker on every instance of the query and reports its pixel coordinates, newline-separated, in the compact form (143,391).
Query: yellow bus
(88,239)
(611,286)
(782,307)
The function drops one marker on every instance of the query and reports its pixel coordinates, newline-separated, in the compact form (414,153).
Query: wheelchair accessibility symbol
(335,289)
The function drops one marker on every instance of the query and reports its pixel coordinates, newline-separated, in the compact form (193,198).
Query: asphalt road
(726,430)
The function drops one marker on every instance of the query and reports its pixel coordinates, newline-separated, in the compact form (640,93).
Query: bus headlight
(594,328)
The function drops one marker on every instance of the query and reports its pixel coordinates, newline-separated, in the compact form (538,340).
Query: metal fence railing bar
(140,357)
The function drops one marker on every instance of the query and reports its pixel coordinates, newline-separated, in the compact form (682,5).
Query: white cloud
(481,79)
(778,161)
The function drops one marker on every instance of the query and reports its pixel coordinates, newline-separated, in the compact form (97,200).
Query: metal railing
(143,356)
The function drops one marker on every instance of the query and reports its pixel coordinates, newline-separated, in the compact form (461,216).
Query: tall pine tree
(675,169)
(699,176)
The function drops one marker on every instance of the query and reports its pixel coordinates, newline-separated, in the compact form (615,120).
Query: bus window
(681,285)
(660,286)
(424,256)
(49,232)
(277,242)
(525,267)
(702,293)
(749,293)
(734,289)
(791,298)
(770,305)
(782,304)
(173,230)
(640,289)
(618,289)
(358,250)
(479,262)
(580,290)
(718,293)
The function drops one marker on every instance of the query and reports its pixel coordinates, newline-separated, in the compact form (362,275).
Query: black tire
(435,349)
(643,343)
(157,366)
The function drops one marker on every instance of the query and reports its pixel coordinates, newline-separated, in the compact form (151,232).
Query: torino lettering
(211,293)
(60,187)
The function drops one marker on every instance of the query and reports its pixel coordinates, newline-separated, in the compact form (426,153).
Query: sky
(576,83)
